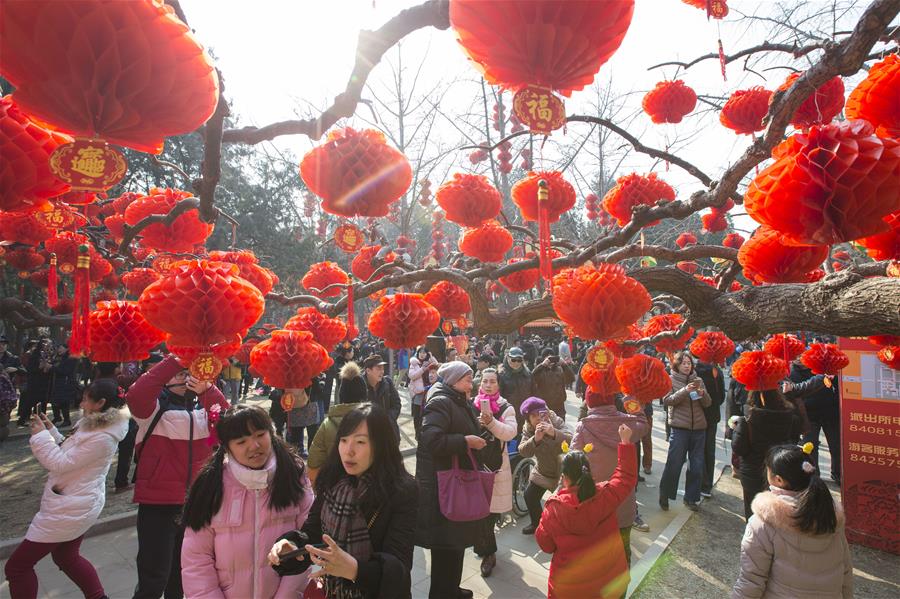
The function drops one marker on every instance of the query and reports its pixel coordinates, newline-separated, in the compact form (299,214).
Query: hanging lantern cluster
(745,110)
(424,195)
(875,98)
(634,190)
(322,275)
(404,320)
(767,259)
(468,200)
(182,235)
(643,377)
(712,347)
(819,190)
(592,206)
(527,163)
(451,300)
(289,359)
(820,107)
(356,173)
(438,245)
(667,323)
(669,102)
(120,333)
(522,280)
(685,239)
(326,331)
(824,358)
(23,227)
(504,157)
(599,302)
(759,370)
(248,265)
(488,242)
(733,240)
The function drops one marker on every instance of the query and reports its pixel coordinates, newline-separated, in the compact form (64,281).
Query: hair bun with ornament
(808,467)
(808,447)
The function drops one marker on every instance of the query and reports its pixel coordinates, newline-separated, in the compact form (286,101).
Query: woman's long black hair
(577,468)
(815,508)
(108,390)
(205,496)
(387,469)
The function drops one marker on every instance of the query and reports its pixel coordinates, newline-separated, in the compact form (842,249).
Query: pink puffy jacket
(227,558)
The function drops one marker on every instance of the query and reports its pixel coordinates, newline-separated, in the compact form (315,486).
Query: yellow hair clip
(565,447)
(588,448)
(808,447)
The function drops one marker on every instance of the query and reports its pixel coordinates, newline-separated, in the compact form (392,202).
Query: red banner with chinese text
(870,447)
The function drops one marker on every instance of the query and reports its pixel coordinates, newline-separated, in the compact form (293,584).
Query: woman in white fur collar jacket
(75,491)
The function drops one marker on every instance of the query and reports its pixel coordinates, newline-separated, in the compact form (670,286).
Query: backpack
(491,455)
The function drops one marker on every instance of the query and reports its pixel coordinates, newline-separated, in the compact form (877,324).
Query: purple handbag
(465,495)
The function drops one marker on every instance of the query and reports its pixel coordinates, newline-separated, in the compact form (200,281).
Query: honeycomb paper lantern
(326,331)
(786,347)
(356,173)
(450,300)
(619,349)
(404,320)
(890,356)
(745,109)
(468,200)
(669,102)
(688,267)
(362,266)
(834,183)
(633,190)
(138,279)
(712,347)
(600,380)
(23,227)
(182,235)
(289,359)
(522,280)
(202,303)
(824,358)
(525,195)
(100,268)
(643,377)
(663,323)
(120,333)
(116,225)
(714,221)
(876,100)
(488,242)
(884,246)
(322,274)
(821,106)
(247,263)
(759,370)
(23,259)
(733,240)
(130,72)
(882,340)
(599,302)
(766,259)
(26,182)
(242,355)
(111,281)
(65,246)
(685,239)
(556,45)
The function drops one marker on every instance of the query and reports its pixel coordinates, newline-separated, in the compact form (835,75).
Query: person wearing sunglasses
(516,382)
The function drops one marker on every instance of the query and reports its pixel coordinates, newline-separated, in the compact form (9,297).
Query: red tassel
(722,60)
(80,340)
(52,284)
(546,264)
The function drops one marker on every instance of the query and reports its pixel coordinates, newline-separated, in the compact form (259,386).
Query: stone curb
(102,526)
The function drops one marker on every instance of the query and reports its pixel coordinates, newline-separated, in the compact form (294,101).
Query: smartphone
(300,551)
(485,406)
(695,395)
(545,417)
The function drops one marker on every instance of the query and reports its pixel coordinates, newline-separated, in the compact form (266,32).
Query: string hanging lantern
(451,300)
(468,200)
(669,102)
(120,333)
(759,370)
(745,110)
(488,242)
(665,323)
(404,320)
(182,235)
(633,190)
(289,359)
(824,358)
(712,347)
(643,377)
(326,331)
(820,107)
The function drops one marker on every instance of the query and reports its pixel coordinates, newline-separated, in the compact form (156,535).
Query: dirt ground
(703,559)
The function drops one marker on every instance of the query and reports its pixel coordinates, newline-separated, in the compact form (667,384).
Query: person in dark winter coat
(37,386)
(551,379)
(449,429)
(769,420)
(712,378)
(381,390)
(820,398)
(516,382)
(63,386)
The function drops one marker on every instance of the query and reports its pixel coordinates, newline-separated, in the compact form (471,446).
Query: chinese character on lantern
(88,165)
(348,237)
(539,109)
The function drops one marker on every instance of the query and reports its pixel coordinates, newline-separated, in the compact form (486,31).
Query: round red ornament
(250,270)
(712,347)
(786,347)
(875,99)
(821,106)
(356,173)
(745,109)
(289,359)
(468,200)
(327,332)
(404,320)
(488,242)
(665,323)
(522,280)
(633,190)
(323,274)
(349,237)
(759,370)
(824,358)
(120,333)
(185,232)
(669,101)
(643,377)
(450,300)
(561,197)
(766,259)
(602,381)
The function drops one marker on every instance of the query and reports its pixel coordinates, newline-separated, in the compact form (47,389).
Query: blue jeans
(683,443)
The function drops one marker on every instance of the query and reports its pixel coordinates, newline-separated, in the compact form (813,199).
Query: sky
(284,58)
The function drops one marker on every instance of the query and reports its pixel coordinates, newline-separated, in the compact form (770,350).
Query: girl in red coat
(580,529)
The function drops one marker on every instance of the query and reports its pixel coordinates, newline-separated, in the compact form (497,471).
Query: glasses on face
(519,360)
(182,375)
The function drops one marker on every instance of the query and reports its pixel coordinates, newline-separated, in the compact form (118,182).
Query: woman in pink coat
(251,490)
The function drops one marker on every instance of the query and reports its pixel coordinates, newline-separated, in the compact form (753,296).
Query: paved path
(521,570)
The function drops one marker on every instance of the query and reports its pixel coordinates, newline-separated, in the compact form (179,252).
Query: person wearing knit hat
(451,372)
(543,435)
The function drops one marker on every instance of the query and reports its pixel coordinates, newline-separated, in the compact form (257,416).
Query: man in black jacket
(820,398)
(381,390)
(711,375)
(516,382)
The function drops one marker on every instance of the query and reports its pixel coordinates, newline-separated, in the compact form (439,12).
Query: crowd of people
(311,496)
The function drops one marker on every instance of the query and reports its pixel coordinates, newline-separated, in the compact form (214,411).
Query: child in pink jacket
(252,490)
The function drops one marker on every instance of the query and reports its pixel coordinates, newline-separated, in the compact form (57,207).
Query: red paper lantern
(142,76)
(450,300)
(561,197)
(599,302)
(712,347)
(714,221)
(116,225)
(824,358)
(356,173)
(289,359)
(348,237)
(404,320)
(643,377)
(820,188)
(24,259)
(323,274)
(619,349)
(243,354)
(23,227)
(362,265)
(111,281)
(100,268)
(202,303)
(884,246)
(786,347)
(745,110)
(875,99)
(633,190)
(522,280)
(669,101)
(663,323)
(26,182)
(138,279)
(890,356)
(601,381)
(882,340)
(121,203)
(206,362)
(820,107)
(327,332)
(182,235)
(488,242)
(550,44)
(685,239)
(717,9)
(65,246)
(766,259)
(733,240)
(468,200)
(688,267)
(249,268)
(759,370)
(120,333)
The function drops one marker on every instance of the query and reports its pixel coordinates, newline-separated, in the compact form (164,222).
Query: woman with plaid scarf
(361,526)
